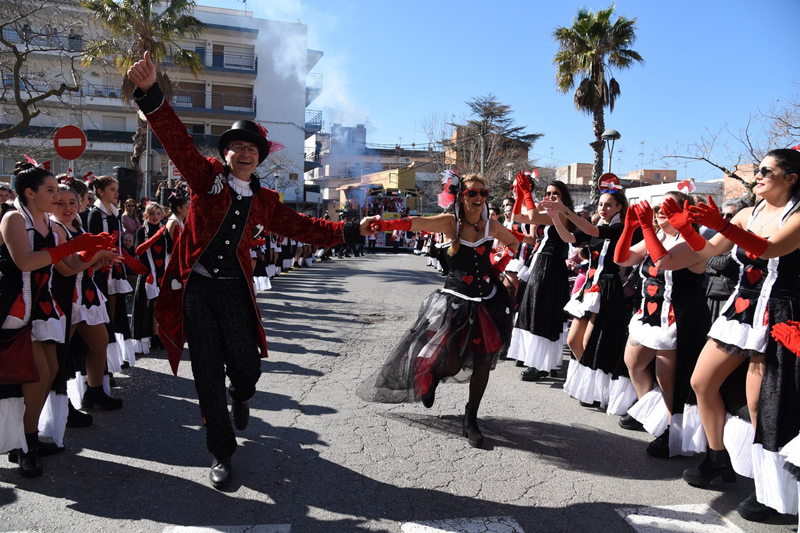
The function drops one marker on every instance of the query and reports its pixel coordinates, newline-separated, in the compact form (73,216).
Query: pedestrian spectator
(5,193)
(130,219)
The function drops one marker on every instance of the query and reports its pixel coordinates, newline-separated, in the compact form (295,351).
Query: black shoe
(659,448)
(429,397)
(96,397)
(533,374)
(471,429)
(49,448)
(554,373)
(111,381)
(30,464)
(519,364)
(717,463)
(753,510)
(626,421)
(220,474)
(587,404)
(241,414)
(125,365)
(77,419)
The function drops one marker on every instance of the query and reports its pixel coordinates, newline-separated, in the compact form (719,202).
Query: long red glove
(654,246)
(524,184)
(788,334)
(709,216)
(518,200)
(403,224)
(134,264)
(85,242)
(499,265)
(681,220)
(142,248)
(518,234)
(623,249)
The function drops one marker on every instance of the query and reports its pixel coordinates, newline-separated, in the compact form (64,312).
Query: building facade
(254,69)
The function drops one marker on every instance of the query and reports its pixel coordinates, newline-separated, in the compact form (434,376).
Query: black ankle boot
(429,397)
(30,464)
(96,397)
(471,429)
(753,510)
(717,463)
(78,419)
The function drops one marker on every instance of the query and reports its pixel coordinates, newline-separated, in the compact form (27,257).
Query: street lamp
(297,199)
(610,135)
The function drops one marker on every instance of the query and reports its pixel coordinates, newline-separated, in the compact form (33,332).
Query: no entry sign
(70,142)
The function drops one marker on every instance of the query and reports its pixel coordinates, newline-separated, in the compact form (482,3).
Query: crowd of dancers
(80,278)
(680,318)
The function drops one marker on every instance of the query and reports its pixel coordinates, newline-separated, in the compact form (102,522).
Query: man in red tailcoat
(206,296)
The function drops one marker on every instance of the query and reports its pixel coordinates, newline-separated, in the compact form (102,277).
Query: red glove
(134,264)
(751,242)
(654,246)
(788,334)
(85,242)
(259,242)
(707,215)
(523,184)
(142,248)
(681,220)
(518,235)
(499,265)
(403,224)
(623,248)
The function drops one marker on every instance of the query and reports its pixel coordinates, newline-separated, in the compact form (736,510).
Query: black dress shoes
(626,421)
(753,510)
(241,414)
(533,374)
(220,474)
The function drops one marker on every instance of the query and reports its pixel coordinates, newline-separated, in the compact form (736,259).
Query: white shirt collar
(99,204)
(241,187)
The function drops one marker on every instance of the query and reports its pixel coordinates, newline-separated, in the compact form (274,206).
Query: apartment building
(255,69)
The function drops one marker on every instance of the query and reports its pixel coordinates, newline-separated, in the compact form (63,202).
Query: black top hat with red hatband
(252,132)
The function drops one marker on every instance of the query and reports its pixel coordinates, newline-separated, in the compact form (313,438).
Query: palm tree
(135,26)
(587,51)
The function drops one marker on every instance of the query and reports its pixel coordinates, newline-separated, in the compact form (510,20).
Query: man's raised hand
(143,73)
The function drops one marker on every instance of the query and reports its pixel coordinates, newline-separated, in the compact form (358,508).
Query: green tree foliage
(587,51)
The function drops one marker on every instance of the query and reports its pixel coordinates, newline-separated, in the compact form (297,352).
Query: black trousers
(221,331)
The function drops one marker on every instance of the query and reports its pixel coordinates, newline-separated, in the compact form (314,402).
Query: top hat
(249,131)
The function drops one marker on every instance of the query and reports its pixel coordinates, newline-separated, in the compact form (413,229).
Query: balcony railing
(225,60)
(44,39)
(235,102)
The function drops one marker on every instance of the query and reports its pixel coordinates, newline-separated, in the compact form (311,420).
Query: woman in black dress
(462,327)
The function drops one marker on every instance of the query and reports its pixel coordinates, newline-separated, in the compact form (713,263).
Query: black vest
(219,257)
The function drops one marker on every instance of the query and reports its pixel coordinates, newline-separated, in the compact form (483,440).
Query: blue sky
(709,66)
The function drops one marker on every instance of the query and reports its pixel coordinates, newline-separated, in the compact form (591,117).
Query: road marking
(489,524)
(677,518)
(270,528)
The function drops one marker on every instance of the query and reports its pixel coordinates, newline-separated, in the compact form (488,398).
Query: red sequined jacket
(210,199)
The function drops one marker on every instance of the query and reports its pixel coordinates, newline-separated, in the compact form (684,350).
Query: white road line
(678,519)
(489,524)
(268,528)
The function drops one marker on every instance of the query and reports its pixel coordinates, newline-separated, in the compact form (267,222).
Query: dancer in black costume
(462,327)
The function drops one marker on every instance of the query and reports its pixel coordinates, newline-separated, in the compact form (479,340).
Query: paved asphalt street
(316,458)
